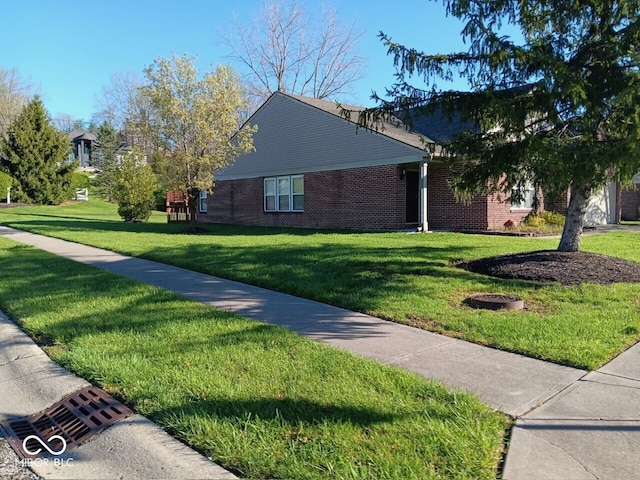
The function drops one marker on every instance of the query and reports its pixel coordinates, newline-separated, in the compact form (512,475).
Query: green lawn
(402,277)
(258,399)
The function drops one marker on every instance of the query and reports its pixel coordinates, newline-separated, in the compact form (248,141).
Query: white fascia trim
(325,168)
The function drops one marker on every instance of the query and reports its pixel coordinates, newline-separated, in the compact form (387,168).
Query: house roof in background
(82,135)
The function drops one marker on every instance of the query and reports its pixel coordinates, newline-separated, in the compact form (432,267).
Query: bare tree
(65,123)
(287,50)
(125,106)
(15,93)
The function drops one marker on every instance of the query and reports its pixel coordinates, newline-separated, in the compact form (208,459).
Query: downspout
(422,208)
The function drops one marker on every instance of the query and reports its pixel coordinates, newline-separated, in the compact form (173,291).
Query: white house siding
(295,137)
(602,207)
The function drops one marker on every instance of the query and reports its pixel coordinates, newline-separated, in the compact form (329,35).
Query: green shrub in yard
(533,221)
(5,183)
(542,219)
(553,218)
(135,188)
(80,180)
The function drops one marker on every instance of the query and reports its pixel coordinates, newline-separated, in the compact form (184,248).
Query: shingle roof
(435,128)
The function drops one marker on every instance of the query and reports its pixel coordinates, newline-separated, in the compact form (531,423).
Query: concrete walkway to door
(570,423)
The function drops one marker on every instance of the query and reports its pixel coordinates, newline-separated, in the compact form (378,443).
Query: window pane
(298,184)
(298,202)
(283,203)
(269,186)
(270,203)
(283,186)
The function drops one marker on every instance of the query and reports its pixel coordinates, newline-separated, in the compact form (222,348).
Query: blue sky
(70,49)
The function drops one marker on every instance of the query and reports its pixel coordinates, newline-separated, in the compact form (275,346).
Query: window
(202,201)
(528,197)
(284,194)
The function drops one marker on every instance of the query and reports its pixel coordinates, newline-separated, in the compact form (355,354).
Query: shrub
(553,218)
(134,189)
(533,221)
(5,183)
(80,180)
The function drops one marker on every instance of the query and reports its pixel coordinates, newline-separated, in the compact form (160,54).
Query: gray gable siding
(295,137)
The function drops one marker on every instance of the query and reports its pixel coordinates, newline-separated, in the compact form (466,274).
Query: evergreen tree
(105,157)
(35,154)
(559,110)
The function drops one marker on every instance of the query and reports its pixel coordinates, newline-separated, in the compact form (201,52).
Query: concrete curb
(134,448)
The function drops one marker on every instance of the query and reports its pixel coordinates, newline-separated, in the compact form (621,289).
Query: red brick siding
(443,212)
(358,198)
(630,202)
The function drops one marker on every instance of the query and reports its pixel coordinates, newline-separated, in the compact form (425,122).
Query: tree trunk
(570,241)
(193,196)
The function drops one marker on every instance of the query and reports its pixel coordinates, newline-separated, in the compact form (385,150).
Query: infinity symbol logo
(52,452)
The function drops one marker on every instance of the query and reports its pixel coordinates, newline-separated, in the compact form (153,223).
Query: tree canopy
(288,50)
(35,154)
(557,105)
(196,122)
(134,187)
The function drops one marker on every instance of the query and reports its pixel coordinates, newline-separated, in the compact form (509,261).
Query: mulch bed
(567,268)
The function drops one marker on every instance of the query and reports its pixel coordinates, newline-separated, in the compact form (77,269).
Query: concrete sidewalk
(561,411)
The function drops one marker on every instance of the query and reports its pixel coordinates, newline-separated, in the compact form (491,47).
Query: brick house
(313,168)
(630,201)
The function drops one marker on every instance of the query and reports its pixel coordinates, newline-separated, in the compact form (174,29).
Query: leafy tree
(134,188)
(5,183)
(559,109)
(105,157)
(35,154)
(288,50)
(194,121)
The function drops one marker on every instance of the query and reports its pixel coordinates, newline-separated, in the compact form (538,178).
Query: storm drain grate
(64,425)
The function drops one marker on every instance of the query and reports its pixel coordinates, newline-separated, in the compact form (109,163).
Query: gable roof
(299,134)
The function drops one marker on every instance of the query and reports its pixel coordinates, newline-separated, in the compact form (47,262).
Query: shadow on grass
(285,411)
(338,273)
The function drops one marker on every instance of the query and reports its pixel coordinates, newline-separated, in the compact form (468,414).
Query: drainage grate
(75,418)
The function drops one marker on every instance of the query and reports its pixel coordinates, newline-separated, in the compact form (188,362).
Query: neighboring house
(82,143)
(313,168)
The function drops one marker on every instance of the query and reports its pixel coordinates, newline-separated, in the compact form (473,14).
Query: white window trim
(522,205)
(277,208)
(202,201)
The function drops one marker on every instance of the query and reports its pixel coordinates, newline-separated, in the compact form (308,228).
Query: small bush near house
(135,189)
(553,218)
(543,222)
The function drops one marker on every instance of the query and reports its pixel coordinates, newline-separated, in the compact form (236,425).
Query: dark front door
(413,190)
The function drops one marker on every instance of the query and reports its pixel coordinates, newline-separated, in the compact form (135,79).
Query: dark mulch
(567,268)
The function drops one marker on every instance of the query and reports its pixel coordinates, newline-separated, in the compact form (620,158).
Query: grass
(258,399)
(406,278)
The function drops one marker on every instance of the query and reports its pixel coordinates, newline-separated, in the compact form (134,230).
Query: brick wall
(630,202)
(358,198)
(443,212)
